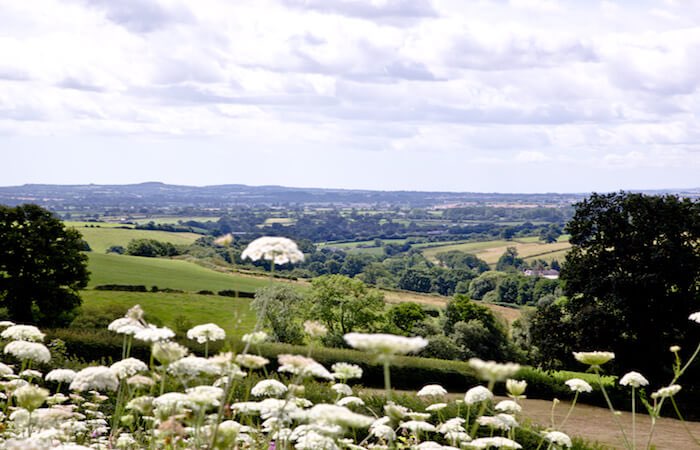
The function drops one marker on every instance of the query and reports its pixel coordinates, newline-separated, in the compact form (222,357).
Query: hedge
(407,372)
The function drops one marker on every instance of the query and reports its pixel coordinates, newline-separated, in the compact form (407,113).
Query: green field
(81,225)
(528,249)
(106,235)
(232,314)
(175,219)
(164,273)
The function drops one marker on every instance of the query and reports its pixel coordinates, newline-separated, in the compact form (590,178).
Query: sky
(478,95)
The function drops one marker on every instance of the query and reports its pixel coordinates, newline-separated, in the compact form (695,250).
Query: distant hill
(155,194)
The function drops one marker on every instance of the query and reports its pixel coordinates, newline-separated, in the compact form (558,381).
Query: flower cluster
(279,250)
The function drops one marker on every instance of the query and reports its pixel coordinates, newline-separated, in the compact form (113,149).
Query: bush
(121,287)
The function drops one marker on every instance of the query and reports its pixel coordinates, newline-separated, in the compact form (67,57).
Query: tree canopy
(41,266)
(632,276)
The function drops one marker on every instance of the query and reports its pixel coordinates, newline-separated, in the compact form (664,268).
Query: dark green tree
(406,315)
(509,260)
(633,276)
(283,307)
(41,266)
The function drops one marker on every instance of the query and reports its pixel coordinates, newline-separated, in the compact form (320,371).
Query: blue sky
(484,95)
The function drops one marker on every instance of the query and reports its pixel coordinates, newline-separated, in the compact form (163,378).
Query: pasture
(102,237)
(490,251)
(164,273)
(232,314)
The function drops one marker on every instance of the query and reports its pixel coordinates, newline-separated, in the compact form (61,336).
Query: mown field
(528,249)
(232,314)
(164,273)
(106,235)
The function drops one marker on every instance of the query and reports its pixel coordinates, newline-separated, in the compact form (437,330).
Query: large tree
(632,277)
(41,266)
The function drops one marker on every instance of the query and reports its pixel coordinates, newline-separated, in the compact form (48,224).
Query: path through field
(598,425)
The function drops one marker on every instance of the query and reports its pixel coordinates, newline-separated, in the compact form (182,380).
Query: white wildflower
(634,379)
(279,250)
(268,388)
(315,329)
(452,425)
(516,388)
(346,371)
(193,366)
(436,407)
(128,367)
(30,373)
(6,323)
(251,361)
(23,333)
(594,358)
(25,350)
(493,371)
(30,397)
(578,385)
(205,396)
(208,332)
(224,240)
(477,394)
(126,325)
(508,406)
(99,378)
(342,388)
(140,381)
(350,400)
(695,317)
(167,352)
(5,370)
(338,415)
(385,345)
(301,365)
(154,334)
(417,426)
(60,375)
(558,438)
(667,391)
(432,390)
(496,441)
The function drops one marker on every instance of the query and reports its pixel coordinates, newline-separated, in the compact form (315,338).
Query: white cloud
(485,81)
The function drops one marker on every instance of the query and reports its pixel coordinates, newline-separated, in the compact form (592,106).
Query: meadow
(101,236)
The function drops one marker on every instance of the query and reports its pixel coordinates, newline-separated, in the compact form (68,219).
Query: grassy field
(175,219)
(232,314)
(490,251)
(100,239)
(164,273)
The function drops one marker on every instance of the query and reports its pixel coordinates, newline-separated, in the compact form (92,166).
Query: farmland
(101,237)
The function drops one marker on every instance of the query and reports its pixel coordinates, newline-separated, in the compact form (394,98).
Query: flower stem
(387,380)
(610,406)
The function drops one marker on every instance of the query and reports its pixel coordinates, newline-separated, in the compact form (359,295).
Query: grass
(234,315)
(490,251)
(175,219)
(80,225)
(164,273)
(100,239)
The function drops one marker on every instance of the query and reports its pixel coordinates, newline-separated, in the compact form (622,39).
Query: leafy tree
(41,266)
(550,234)
(508,290)
(633,276)
(283,305)
(415,280)
(344,304)
(150,248)
(485,283)
(509,260)
(405,316)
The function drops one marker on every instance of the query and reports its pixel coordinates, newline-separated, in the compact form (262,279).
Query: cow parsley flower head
(346,371)
(385,345)
(578,385)
(350,400)
(303,366)
(208,332)
(224,241)
(516,388)
(30,351)
(495,441)
(268,388)
(205,396)
(558,438)
(255,338)
(432,390)
(30,397)
(167,352)
(342,389)
(668,391)
(695,317)
(5,369)
(251,361)
(6,323)
(338,415)
(417,426)
(508,406)
(594,358)
(193,366)
(128,367)
(493,371)
(315,329)
(279,250)
(154,334)
(140,381)
(634,379)
(60,375)
(126,325)
(477,394)
(23,333)
(98,378)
